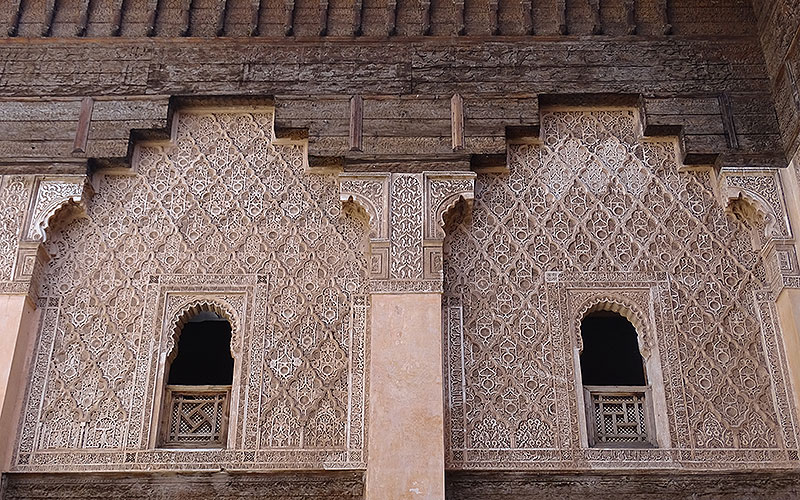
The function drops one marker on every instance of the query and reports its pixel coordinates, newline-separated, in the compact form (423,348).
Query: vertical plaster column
(788,305)
(405,437)
(788,302)
(17,317)
(775,194)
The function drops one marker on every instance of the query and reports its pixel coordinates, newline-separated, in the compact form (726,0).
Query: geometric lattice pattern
(596,207)
(224,215)
(619,417)
(197,416)
(14,194)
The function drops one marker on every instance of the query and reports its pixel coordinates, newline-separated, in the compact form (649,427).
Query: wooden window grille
(197,416)
(618,416)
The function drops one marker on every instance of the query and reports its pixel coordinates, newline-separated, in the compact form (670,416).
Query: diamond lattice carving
(593,206)
(224,214)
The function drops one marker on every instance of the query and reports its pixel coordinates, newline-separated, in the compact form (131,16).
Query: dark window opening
(610,351)
(204,352)
(198,391)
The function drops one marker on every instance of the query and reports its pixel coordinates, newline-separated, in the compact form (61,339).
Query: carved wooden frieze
(269,485)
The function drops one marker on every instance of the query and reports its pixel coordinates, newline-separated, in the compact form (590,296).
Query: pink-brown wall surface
(17,316)
(405,457)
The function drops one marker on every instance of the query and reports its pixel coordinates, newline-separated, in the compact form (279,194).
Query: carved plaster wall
(15,194)
(406,213)
(594,213)
(226,216)
(28,204)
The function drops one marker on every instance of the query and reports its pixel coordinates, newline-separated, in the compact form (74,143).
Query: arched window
(199,378)
(614,382)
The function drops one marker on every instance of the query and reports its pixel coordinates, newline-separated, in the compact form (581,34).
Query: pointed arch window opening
(616,392)
(199,378)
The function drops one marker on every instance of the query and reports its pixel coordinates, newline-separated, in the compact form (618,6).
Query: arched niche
(56,199)
(199,377)
(622,395)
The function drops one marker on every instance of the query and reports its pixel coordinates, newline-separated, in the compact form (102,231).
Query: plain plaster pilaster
(16,315)
(788,305)
(788,302)
(406,426)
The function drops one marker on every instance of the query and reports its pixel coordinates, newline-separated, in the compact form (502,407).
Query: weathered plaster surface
(406,443)
(17,318)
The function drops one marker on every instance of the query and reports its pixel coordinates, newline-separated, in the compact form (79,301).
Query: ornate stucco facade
(404,212)
(596,216)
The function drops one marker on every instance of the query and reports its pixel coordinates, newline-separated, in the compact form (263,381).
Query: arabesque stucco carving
(223,215)
(595,214)
(226,216)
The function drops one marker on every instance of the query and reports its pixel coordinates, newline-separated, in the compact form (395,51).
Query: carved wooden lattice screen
(198,415)
(617,415)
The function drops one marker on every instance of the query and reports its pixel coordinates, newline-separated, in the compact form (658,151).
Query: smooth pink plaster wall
(406,439)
